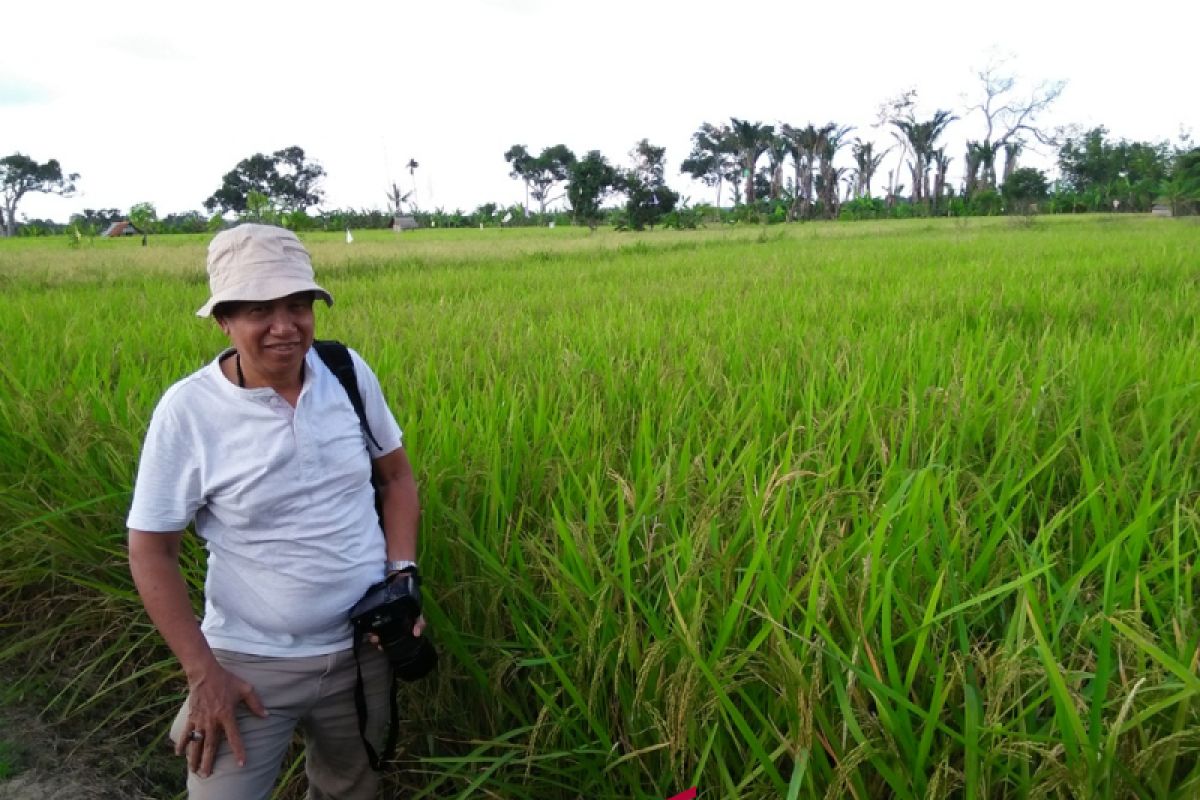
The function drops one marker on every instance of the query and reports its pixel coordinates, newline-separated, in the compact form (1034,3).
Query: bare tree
(1009,116)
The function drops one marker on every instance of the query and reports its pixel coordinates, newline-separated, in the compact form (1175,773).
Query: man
(262,450)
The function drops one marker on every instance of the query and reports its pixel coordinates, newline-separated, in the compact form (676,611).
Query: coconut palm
(1012,149)
(866,162)
(751,140)
(412,174)
(921,137)
(831,136)
(777,151)
(941,163)
(802,145)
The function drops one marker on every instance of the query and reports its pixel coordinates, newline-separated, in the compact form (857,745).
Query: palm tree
(777,150)
(866,162)
(412,170)
(1012,149)
(921,137)
(941,163)
(802,144)
(396,199)
(830,140)
(751,139)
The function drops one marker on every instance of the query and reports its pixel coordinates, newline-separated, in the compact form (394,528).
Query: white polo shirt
(282,498)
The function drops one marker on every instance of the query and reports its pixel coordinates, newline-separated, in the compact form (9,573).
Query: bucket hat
(258,262)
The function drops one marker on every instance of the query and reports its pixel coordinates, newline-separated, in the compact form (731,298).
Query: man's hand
(212,715)
(418,628)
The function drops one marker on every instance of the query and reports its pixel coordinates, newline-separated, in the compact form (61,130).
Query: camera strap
(360,705)
(337,358)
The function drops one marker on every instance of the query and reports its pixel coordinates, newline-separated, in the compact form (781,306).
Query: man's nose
(283,320)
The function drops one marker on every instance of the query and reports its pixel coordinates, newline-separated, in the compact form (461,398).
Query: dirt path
(48,761)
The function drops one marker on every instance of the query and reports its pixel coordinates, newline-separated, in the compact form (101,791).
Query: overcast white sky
(157,100)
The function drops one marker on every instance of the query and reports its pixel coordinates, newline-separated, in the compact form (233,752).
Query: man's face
(272,336)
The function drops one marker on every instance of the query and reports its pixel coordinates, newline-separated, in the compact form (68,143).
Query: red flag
(690,794)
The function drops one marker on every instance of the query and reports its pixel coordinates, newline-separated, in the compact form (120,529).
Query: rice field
(878,510)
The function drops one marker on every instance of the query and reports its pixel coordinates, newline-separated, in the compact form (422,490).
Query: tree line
(778,172)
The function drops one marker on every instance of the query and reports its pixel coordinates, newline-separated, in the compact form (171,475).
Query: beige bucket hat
(258,262)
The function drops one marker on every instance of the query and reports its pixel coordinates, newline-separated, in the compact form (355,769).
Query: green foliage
(286,178)
(747,213)
(20,175)
(485,213)
(1183,189)
(713,158)
(358,219)
(91,222)
(260,208)
(687,217)
(540,173)
(861,208)
(1101,171)
(298,221)
(986,203)
(648,198)
(12,756)
(1024,188)
(39,227)
(144,217)
(185,222)
(591,179)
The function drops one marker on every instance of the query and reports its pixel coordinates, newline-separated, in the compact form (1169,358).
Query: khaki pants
(316,693)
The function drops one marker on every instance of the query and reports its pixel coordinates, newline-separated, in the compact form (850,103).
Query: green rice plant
(872,510)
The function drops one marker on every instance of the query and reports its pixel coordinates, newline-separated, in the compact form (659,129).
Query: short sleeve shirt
(282,498)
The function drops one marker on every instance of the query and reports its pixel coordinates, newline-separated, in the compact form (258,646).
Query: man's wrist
(400,565)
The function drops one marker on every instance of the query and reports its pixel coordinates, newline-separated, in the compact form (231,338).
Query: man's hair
(230,307)
(226,309)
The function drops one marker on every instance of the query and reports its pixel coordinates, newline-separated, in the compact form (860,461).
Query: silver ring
(196,736)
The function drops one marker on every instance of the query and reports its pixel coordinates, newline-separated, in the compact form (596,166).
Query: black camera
(389,609)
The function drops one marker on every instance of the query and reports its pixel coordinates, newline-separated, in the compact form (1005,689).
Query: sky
(155,101)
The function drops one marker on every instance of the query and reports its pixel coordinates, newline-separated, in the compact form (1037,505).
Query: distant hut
(404,222)
(122,228)
(1161,210)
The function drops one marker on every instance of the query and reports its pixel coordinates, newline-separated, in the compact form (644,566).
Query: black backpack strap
(337,357)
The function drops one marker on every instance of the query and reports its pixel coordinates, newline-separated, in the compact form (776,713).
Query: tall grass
(902,510)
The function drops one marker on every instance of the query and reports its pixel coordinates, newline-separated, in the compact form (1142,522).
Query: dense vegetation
(895,509)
